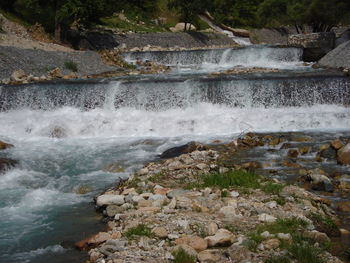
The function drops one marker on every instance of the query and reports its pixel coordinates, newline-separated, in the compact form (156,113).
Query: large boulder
(337,58)
(181,27)
(343,37)
(315,45)
(4,145)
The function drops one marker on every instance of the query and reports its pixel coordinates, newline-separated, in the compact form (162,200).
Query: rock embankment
(192,208)
(337,58)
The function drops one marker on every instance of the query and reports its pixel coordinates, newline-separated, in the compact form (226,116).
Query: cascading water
(221,59)
(66,134)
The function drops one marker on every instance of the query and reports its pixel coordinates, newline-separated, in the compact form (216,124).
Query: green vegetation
(285,225)
(181,256)
(237,178)
(278,259)
(139,230)
(70,65)
(305,252)
(324,222)
(272,188)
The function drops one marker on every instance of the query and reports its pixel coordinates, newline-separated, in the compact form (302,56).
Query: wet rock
(187,148)
(6,164)
(198,243)
(209,256)
(221,238)
(110,200)
(337,144)
(343,155)
(112,210)
(4,145)
(93,241)
(344,183)
(304,150)
(58,132)
(328,153)
(291,164)
(344,206)
(286,145)
(293,153)
(83,189)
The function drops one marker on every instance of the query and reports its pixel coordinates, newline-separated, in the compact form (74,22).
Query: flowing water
(66,133)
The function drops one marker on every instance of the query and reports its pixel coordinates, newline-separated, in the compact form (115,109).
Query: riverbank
(199,206)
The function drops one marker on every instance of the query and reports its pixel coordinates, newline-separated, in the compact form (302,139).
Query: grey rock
(337,58)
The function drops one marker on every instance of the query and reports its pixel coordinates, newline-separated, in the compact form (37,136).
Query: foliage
(139,230)
(239,178)
(304,252)
(181,256)
(70,65)
(272,188)
(278,259)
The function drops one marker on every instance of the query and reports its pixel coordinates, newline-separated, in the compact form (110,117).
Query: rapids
(66,133)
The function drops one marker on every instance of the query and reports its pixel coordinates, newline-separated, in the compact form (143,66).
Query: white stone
(136,199)
(272,204)
(110,200)
(157,197)
(143,171)
(234,194)
(228,211)
(284,236)
(267,218)
(173,236)
(222,238)
(266,234)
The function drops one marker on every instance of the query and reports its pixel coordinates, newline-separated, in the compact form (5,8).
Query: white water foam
(28,256)
(200,119)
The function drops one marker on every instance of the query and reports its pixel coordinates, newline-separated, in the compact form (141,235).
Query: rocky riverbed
(197,205)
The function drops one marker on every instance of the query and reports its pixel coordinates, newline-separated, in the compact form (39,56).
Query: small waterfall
(111,95)
(212,60)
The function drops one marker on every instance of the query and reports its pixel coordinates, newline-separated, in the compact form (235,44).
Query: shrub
(272,188)
(304,252)
(181,256)
(278,259)
(239,178)
(70,65)
(139,230)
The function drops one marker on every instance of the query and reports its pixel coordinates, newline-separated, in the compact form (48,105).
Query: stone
(4,145)
(179,27)
(221,238)
(112,210)
(267,218)
(344,206)
(209,256)
(136,199)
(344,183)
(320,181)
(160,232)
(328,153)
(6,164)
(284,236)
(189,250)
(55,73)
(271,204)
(228,211)
(343,155)
(271,243)
(149,209)
(317,236)
(234,194)
(239,253)
(161,191)
(337,58)
(183,149)
(304,150)
(315,45)
(144,203)
(18,75)
(143,171)
(183,202)
(93,241)
(293,153)
(196,242)
(337,144)
(202,166)
(266,234)
(103,200)
(212,228)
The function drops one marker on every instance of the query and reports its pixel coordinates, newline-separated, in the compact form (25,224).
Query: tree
(320,15)
(189,10)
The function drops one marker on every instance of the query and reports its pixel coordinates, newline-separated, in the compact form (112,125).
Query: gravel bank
(39,62)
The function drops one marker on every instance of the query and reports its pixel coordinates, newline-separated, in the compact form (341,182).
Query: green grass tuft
(139,230)
(278,259)
(272,188)
(304,252)
(238,178)
(181,256)
(70,65)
